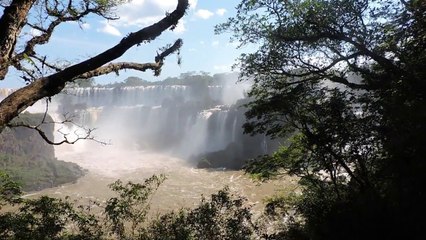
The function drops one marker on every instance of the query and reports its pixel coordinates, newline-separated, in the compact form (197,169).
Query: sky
(202,49)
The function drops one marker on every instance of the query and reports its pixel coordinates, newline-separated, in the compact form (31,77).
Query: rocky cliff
(30,160)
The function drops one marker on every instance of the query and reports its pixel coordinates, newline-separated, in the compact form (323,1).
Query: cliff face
(23,141)
(30,160)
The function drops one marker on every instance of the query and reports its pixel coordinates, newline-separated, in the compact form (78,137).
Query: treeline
(188,78)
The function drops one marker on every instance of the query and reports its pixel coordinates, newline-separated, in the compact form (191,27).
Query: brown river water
(183,187)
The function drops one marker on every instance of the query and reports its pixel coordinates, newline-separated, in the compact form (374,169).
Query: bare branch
(332,34)
(86,136)
(69,14)
(116,67)
(81,133)
(45,63)
(18,101)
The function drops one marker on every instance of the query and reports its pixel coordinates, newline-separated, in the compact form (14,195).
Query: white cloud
(215,43)
(80,43)
(203,13)
(223,68)
(221,11)
(180,27)
(141,13)
(85,26)
(202,42)
(170,3)
(109,29)
(34,32)
(192,4)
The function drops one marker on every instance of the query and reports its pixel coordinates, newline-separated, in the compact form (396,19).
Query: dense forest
(345,80)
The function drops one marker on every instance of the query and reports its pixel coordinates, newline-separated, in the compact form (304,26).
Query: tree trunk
(11,23)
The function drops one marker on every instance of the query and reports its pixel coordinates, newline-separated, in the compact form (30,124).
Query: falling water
(153,130)
(234,130)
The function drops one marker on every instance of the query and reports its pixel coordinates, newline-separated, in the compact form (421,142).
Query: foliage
(184,79)
(224,216)
(82,83)
(128,82)
(131,206)
(189,78)
(9,190)
(347,79)
(50,218)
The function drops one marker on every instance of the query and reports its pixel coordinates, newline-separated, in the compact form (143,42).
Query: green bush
(125,216)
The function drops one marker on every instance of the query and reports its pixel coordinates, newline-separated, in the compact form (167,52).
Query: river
(183,188)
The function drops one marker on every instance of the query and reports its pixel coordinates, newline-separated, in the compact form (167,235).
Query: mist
(158,128)
(182,120)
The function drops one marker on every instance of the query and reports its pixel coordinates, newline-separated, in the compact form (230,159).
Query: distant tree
(134,81)
(347,80)
(10,191)
(83,83)
(44,78)
(171,81)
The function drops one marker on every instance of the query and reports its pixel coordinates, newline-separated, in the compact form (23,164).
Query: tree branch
(15,103)
(116,67)
(68,137)
(69,14)
(324,33)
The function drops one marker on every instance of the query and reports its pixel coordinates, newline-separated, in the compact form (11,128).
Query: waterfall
(183,120)
(234,130)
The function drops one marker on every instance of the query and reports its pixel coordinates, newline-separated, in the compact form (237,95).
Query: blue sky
(202,49)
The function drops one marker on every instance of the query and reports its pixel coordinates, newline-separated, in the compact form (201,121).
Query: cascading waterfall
(189,121)
(156,129)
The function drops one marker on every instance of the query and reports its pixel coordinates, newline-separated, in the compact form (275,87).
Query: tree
(134,81)
(46,79)
(223,216)
(121,217)
(345,79)
(83,83)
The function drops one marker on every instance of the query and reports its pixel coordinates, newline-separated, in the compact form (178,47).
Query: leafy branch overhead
(344,82)
(47,79)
